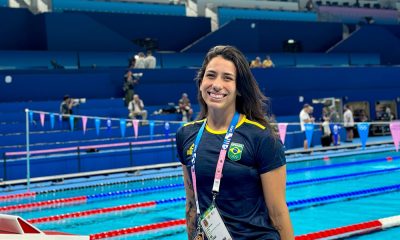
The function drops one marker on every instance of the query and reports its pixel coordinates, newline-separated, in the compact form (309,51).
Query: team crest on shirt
(235,151)
(189,152)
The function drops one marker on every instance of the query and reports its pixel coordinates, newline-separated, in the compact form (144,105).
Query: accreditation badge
(213,225)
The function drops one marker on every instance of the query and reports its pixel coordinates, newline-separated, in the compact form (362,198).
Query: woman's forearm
(283,225)
(190,205)
(191,218)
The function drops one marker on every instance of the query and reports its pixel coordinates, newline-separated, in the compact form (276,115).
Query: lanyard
(221,158)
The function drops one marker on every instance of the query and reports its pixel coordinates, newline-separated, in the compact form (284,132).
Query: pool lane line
(334,233)
(29,206)
(85,199)
(337,165)
(138,229)
(301,183)
(33,194)
(354,229)
(27,195)
(337,153)
(106,210)
(315,201)
(292,204)
(17,196)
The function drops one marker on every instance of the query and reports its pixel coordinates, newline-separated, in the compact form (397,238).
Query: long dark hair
(250,101)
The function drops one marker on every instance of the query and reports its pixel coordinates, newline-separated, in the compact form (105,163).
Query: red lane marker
(50,203)
(345,231)
(92,212)
(17,196)
(137,229)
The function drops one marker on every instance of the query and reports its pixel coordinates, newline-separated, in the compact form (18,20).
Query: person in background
(136,108)
(66,107)
(310,5)
(256,63)
(131,62)
(348,123)
(326,138)
(185,107)
(140,61)
(67,104)
(306,117)
(150,60)
(268,63)
(129,86)
(232,132)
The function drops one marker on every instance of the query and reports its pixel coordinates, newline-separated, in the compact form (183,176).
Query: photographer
(185,108)
(67,104)
(66,107)
(130,81)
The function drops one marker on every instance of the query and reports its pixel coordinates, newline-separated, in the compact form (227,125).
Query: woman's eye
(210,75)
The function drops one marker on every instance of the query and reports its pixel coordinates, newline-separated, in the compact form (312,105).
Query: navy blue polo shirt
(254,150)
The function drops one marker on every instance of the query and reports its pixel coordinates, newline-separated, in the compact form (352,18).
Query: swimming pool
(321,194)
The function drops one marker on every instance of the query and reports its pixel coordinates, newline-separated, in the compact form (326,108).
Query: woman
(233,139)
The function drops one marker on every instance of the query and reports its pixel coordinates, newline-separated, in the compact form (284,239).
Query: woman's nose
(217,84)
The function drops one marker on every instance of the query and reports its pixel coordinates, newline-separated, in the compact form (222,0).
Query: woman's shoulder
(190,126)
(258,129)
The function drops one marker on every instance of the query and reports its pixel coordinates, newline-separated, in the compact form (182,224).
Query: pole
(28,167)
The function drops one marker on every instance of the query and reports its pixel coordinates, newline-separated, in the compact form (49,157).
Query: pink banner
(282,131)
(135,124)
(395,130)
(84,122)
(42,119)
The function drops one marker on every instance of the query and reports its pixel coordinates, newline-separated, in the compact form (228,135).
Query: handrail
(109,145)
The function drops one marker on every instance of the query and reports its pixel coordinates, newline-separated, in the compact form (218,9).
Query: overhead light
(291,41)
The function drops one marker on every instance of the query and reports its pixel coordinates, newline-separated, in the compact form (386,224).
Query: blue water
(310,218)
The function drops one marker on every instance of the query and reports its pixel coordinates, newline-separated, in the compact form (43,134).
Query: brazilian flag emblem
(235,151)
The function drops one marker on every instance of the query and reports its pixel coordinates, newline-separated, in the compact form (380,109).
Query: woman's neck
(219,120)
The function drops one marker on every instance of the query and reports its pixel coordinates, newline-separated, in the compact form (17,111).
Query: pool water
(334,176)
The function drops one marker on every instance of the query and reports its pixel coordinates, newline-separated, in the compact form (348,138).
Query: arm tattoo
(190,209)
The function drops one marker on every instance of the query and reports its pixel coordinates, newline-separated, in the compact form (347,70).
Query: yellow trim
(191,123)
(224,131)
(255,123)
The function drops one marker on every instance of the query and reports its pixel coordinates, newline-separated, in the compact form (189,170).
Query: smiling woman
(233,137)
(218,90)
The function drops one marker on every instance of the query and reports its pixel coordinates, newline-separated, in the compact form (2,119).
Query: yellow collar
(224,131)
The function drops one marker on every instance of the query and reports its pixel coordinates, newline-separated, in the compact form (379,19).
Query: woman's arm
(190,205)
(274,188)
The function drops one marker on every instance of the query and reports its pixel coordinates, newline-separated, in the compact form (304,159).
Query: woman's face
(218,86)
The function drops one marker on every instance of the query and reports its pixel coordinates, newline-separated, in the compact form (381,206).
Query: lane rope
(85,199)
(106,210)
(354,229)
